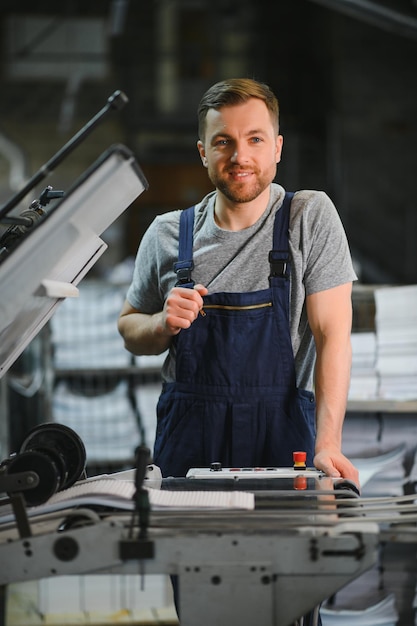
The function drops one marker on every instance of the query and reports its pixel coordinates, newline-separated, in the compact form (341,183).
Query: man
(253,302)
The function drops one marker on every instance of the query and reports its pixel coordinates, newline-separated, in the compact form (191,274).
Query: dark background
(345,79)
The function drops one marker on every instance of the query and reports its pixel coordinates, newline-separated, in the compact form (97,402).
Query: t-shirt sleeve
(327,254)
(144,291)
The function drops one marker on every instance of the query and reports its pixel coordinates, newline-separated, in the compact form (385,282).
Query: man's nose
(238,154)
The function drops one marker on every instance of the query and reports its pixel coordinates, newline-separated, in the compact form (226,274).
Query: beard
(241,192)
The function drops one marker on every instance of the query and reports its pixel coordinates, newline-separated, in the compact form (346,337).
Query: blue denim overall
(235,398)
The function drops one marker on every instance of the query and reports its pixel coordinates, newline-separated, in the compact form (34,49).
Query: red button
(299,457)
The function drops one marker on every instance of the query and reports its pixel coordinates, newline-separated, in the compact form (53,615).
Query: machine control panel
(217,471)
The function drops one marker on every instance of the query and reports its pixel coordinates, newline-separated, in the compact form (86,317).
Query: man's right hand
(182,308)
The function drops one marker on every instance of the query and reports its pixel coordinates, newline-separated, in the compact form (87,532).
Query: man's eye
(222,142)
(256,139)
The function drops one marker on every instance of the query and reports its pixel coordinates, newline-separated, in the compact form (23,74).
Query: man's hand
(182,307)
(333,463)
(145,333)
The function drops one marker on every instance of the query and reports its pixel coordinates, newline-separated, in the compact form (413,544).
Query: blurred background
(345,73)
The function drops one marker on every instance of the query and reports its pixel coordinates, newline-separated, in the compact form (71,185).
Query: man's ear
(200,147)
(278,150)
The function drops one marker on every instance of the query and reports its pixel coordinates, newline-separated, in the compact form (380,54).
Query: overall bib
(235,398)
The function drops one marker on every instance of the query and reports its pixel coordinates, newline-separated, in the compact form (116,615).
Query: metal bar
(375,15)
(115,102)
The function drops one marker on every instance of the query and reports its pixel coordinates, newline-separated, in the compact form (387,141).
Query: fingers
(203,291)
(182,307)
(336,465)
(348,470)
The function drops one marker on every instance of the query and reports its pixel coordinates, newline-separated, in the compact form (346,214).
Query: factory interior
(345,74)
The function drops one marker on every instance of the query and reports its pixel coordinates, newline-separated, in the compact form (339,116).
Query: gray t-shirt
(237,261)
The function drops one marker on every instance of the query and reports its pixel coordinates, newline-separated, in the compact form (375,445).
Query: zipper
(228,307)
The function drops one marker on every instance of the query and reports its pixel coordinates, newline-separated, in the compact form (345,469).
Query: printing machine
(269,564)
(302,537)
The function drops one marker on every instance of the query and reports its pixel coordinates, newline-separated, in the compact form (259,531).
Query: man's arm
(330,318)
(152,334)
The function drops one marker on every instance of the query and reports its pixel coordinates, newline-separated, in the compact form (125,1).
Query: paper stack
(396,333)
(84,329)
(364,379)
(104,419)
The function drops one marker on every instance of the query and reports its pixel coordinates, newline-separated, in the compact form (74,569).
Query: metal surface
(62,249)
(236,576)
(269,565)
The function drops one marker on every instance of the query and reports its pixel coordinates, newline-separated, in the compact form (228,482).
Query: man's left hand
(334,464)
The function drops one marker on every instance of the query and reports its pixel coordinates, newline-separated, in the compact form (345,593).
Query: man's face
(241,149)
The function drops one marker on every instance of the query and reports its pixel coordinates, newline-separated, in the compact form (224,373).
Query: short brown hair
(236,91)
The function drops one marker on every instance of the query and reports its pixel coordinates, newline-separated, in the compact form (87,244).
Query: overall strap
(184,266)
(279,256)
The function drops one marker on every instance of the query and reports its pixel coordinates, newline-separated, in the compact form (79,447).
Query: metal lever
(115,102)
